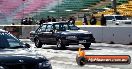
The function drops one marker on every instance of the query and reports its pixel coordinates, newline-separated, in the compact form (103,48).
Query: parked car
(61,34)
(117,20)
(15,55)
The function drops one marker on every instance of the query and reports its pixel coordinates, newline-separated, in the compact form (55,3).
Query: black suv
(61,34)
(14,54)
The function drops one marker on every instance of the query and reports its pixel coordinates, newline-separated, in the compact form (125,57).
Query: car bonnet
(19,56)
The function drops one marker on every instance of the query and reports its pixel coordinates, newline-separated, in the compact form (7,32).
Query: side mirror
(27,45)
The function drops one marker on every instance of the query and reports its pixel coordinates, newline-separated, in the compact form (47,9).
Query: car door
(49,34)
(41,33)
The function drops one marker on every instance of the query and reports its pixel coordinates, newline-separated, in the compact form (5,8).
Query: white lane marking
(90,66)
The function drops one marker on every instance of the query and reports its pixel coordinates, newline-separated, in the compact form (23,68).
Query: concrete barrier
(121,35)
(116,34)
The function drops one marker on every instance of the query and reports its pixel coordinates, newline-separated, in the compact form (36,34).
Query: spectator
(85,21)
(93,20)
(72,20)
(53,19)
(30,21)
(41,21)
(103,20)
(48,19)
(26,21)
(22,21)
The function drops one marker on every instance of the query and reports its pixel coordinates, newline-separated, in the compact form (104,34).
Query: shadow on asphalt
(68,48)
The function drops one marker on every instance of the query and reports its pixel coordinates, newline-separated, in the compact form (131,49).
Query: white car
(117,20)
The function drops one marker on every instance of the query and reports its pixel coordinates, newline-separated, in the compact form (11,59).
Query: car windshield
(120,18)
(7,40)
(65,26)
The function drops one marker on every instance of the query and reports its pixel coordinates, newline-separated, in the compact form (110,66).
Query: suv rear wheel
(38,44)
(87,45)
(60,45)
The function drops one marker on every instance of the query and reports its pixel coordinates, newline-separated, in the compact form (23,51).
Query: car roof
(54,22)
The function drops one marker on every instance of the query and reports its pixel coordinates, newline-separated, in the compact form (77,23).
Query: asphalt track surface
(65,59)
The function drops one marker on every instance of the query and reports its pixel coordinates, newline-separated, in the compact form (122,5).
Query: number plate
(82,41)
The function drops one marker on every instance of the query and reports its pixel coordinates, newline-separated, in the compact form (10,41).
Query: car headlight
(44,64)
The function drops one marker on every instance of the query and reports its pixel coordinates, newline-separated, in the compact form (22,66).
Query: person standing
(30,21)
(41,21)
(53,19)
(93,20)
(22,21)
(85,21)
(48,19)
(103,20)
(72,20)
(26,21)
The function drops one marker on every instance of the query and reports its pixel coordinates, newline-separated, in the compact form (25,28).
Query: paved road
(65,59)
